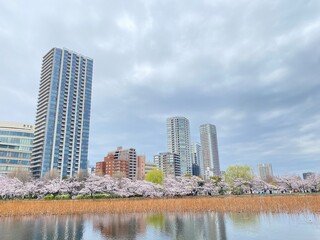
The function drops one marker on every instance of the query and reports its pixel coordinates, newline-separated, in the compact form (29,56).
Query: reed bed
(250,204)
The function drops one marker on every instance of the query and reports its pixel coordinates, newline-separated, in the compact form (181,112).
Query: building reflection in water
(159,226)
(176,226)
(196,226)
(43,228)
(120,226)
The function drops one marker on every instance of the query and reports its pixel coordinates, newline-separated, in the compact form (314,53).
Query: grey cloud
(250,68)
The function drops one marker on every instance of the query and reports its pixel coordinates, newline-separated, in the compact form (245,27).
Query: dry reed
(250,204)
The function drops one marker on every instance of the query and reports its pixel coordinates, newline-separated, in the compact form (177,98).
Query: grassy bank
(254,204)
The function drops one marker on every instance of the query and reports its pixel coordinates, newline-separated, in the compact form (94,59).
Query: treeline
(94,187)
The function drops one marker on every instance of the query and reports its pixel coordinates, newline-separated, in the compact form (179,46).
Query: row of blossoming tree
(109,187)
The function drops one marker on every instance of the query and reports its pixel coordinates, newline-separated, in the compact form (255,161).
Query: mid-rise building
(63,114)
(195,169)
(116,166)
(101,168)
(141,167)
(208,173)
(15,146)
(209,144)
(265,171)
(307,175)
(122,162)
(178,141)
(149,167)
(197,161)
(168,163)
(91,171)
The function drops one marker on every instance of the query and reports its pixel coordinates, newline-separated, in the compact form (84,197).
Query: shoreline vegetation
(245,203)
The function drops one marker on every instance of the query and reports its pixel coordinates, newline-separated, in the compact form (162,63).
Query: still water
(163,226)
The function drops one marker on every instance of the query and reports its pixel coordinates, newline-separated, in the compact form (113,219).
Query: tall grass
(250,204)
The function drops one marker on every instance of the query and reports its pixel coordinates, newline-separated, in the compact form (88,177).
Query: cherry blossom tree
(289,183)
(312,183)
(13,188)
(181,186)
(92,185)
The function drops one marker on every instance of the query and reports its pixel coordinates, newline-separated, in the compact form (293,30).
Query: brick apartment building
(122,162)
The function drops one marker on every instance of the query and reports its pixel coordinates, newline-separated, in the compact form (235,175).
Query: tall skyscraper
(196,157)
(178,141)
(63,114)
(265,171)
(15,146)
(209,144)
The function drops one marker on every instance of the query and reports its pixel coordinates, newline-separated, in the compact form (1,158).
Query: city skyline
(249,68)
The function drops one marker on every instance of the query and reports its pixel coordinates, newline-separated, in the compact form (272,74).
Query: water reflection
(156,220)
(120,226)
(244,220)
(196,226)
(162,226)
(38,228)
(175,226)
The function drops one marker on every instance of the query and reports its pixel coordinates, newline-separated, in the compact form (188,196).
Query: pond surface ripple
(191,226)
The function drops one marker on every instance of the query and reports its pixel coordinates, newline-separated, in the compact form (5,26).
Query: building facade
(178,141)
(91,171)
(307,175)
(141,167)
(168,163)
(116,166)
(149,166)
(15,146)
(63,114)
(209,144)
(265,171)
(101,168)
(122,162)
(197,161)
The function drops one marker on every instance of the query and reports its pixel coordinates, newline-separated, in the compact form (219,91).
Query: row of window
(15,154)
(11,133)
(22,141)
(8,169)
(10,161)
(23,148)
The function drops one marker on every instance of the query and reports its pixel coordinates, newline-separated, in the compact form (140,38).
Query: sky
(251,68)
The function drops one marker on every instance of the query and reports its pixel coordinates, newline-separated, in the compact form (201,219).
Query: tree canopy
(22,175)
(243,172)
(155,176)
(107,186)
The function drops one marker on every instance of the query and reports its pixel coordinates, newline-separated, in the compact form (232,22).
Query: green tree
(216,180)
(155,176)
(243,172)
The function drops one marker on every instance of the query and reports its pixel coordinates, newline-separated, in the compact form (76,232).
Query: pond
(209,225)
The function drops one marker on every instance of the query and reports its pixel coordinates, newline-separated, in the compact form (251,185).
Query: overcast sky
(249,67)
